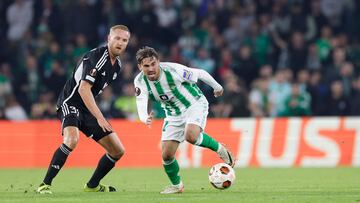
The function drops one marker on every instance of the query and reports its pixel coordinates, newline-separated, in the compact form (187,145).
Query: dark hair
(146,52)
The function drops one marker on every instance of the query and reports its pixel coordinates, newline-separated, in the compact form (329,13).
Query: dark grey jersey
(94,67)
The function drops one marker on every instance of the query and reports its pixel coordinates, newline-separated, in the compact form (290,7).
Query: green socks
(172,170)
(172,167)
(204,140)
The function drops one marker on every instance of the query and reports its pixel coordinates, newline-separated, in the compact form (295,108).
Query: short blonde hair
(121,27)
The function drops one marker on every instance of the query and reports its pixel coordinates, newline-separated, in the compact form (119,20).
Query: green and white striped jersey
(176,89)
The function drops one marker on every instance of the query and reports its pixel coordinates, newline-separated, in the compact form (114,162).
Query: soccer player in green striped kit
(186,108)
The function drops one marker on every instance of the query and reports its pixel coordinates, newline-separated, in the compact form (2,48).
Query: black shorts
(71,115)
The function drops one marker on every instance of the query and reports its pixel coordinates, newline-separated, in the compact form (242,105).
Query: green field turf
(143,185)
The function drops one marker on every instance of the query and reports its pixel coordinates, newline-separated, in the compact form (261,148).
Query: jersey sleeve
(142,99)
(91,62)
(192,75)
(185,74)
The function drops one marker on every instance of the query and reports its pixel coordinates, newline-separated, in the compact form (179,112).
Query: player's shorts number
(74,110)
(70,110)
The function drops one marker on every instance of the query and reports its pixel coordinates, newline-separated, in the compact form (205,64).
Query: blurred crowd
(273,57)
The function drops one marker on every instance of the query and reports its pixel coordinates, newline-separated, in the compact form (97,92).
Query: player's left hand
(218,93)
(149,119)
(105,125)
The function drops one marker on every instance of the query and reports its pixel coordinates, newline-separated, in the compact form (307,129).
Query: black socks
(57,163)
(105,164)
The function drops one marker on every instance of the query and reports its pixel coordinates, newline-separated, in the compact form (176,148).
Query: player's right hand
(218,93)
(105,125)
(149,119)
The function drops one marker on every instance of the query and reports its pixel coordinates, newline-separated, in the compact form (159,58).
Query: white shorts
(173,129)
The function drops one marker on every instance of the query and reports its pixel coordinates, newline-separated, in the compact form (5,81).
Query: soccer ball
(221,176)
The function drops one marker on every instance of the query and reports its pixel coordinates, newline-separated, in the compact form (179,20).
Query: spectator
(57,78)
(298,103)
(13,110)
(266,71)
(245,66)
(203,61)
(19,16)
(337,103)
(319,18)
(168,22)
(323,43)
(45,108)
(355,97)
(225,63)
(261,102)
(331,71)
(232,34)
(302,79)
(188,44)
(127,102)
(5,86)
(318,92)
(234,102)
(147,20)
(107,105)
(313,61)
(81,20)
(53,53)
(298,52)
(81,47)
(346,76)
(47,18)
(29,83)
(259,42)
(187,17)
(280,89)
(301,22)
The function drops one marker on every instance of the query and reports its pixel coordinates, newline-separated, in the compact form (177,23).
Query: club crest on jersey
(187,74)
(93,72)
(114,76)
(137,91)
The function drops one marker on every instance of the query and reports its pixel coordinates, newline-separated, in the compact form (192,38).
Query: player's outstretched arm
(89,101)
(192,75)
(209,80)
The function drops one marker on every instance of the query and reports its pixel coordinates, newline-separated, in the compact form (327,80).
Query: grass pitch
(143,185)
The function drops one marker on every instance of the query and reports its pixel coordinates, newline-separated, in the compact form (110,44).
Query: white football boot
(173,189)
(226,155)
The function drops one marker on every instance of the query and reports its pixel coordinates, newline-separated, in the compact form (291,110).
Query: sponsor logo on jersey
(164,97)
(103,73)
(187,74)
(137,91)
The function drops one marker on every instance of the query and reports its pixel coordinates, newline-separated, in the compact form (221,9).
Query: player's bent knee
(71,137)
(191,134)
(118,153)
(71,142)
(191,138)
(168,156)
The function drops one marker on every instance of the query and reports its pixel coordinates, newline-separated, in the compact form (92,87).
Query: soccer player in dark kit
(78,110)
